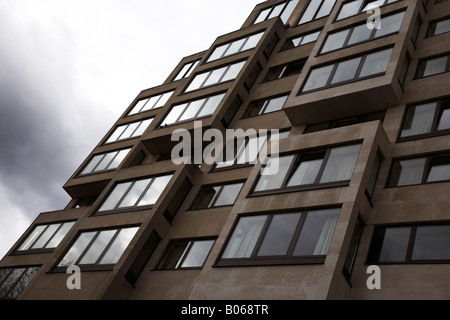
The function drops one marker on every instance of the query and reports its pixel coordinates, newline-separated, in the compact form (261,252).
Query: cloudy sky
(68,70)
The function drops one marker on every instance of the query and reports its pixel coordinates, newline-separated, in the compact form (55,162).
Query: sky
(69,69)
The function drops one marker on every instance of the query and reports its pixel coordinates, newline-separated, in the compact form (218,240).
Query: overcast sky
(68,70)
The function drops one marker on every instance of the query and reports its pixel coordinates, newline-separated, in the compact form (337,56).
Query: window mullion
(223,74)
(105,249)
(144,192)
(332,73)
(317,10)
(296,234)
(360,67)
(437,114)
(15,282)
(201,108)
(291,170)
(412,236)
(184,255)
(121,134)
(98,163)
(426,169)
(124,195)
(322,167)
(261,236)
(111,161)
(87,247)
(216,196)
(51,237)
(37,239)
(182,112)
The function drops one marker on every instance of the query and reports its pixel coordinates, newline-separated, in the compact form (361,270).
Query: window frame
(264,104)
(271,9)
(17,282)
(127,125)
(107,167)
(314,17)
(216,196)
(273,260)
(431,34)
(190,68)
(281,70)
(421,69)
(147,100)
(361,7)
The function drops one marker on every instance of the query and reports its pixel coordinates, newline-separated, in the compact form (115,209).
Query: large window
(45,237)
(283,10)
(151,103)
(317,9)
(410,244)
(133,194)
(281,238)
(105,161)
(216,76)
(14,280)
(413,171)
(192,110)
(97,248)
(186,70)
(301,40)
(357,34)
(426,119)
(433,66)
(371,64)
(333,166)
(185,254)
(217,196)
(129,131)
(260,107)
(284,70)
(235,47)
(351,8)
(439,27)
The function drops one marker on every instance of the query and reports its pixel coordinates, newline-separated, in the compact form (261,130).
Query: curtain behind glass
(340,164)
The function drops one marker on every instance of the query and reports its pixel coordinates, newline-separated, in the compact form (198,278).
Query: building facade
(359,93)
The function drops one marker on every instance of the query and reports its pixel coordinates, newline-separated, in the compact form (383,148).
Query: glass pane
(276,11)
(252,41)
(407,172)
(128,133)
(373,4)
(346,70)
(249,154)
(340,163)
(92,164)
(197,254)
(143,126)
(288,10)
(192,109)
(137,108)
(419,119)
(155,190)
(151,103)
(164,98)
(376,63)
(118,159)
(262,15)
(442,27)
(115,196)
(440,170)
(435,66)
(22,282)
(9,282)
(48,233)
(317,232)
(310,11)
(432,243)
(228,195)
(174,114)
(335,41)
(326,8)
(183,71)
(60,235)
(105,161)
(77,249)
(211,105)
(97,247)
(349,9)
(310,37)
(244,237)
(235,47)
(318,78)
(395,244)
(274,181)
(134,193)
(218,52)
(233,72)
(173,255)
(390,24)
(119,245)
(116,134)
(31,238)
(444,121)
(279,235)
(215,76)
(197,82)
(275,104)
(360,33)
(205,197)
(306,173)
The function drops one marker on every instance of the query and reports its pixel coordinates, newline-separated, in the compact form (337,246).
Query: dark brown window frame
(437,116)
(293,166)
(429,29)
(264,102)
(221,185)
(106,143)
(413,228)
(422,60)
(80,174)
(284,67)
(314,18)
(270,8)
(363,4)
(287,259)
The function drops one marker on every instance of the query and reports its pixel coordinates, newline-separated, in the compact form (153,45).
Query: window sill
(301,188)
(270,261)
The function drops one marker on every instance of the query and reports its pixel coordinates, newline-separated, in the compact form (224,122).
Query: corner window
(129,131)
(281,238)
(97,248)
(105,162)
(316,9)
(217,196)
(151,103)
(186,70)
(185,254)
(14,280)
(45,237)
(134,194)
(283,10)
(235,47)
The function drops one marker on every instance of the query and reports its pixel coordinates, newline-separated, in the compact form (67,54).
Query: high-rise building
(359,93)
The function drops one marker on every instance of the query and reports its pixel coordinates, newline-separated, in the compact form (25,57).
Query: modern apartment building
(359,91)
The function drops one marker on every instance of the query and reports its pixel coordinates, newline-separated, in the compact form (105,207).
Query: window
(192,110)
(128,131)
(373,176)
(235,47)
(433,66)
(371,64)
(281,238)
(105,162)
(426,119)
(217,196)
(151,103)
(138,193)
(439,27)
(258,108)
(186,70)
(177,200)
(420,170)
(361,33)
(309,169)
(285,70)
(97,248)
(45,237)
(316,9)
(283,10)
(215,76)
(353,249)
(301,40)
(355,7)
(185,254)
(14,280)
(410,244)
